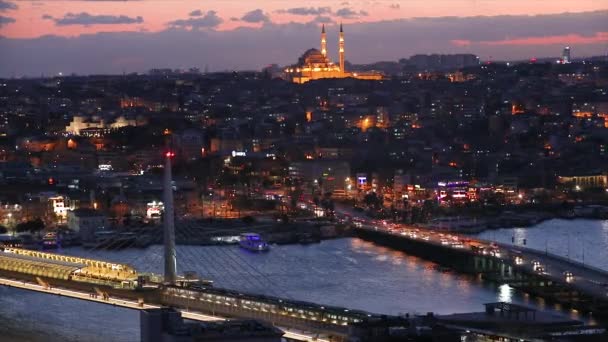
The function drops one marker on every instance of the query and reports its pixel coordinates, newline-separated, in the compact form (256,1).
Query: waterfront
(344,272)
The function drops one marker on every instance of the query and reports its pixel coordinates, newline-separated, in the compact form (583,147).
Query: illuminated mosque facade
(314,64)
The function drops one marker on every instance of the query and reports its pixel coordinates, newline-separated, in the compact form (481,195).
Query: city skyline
(89,37)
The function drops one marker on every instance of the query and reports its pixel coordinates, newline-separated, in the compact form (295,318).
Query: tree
(30,226)
(3,230)
(372,200)
(248,219)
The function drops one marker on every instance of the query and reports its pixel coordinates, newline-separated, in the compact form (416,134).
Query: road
(129,304)
(586,279)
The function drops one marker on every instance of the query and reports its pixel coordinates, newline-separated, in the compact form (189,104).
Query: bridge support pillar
(169,223)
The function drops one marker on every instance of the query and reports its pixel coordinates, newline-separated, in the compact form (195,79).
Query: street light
(10,219)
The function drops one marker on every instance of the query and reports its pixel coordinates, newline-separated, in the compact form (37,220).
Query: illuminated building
(329,175)
(315,64)
(517,108)
(154,209)
(59,207)
(597,180)
(82,123)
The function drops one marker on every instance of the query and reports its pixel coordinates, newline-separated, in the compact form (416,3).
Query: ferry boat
(51,240)
(253,242)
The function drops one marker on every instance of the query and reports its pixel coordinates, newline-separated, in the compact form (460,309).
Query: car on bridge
(538,267)
(569,276)
(457,244)
(495,252)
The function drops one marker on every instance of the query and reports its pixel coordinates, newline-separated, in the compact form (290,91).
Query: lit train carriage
(293,308)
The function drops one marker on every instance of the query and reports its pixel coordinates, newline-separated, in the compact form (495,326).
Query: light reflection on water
(344,272)
(505,293)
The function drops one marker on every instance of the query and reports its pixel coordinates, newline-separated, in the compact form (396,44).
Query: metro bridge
(120,285)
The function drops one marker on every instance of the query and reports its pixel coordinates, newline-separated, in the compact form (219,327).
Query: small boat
(253,242)
(51,240)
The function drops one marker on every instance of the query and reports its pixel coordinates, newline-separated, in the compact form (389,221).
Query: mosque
(315,64)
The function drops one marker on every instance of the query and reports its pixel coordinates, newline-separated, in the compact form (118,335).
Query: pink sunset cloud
(24,19)
(571,39)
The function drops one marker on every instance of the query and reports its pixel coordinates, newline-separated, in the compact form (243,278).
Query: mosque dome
(312,56)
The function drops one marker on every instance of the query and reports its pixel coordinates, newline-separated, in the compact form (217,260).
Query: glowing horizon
(156,14)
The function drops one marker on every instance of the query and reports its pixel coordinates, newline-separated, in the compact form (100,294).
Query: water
(344,272)
(581,240)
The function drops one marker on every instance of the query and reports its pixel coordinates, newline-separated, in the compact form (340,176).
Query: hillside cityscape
(435,197)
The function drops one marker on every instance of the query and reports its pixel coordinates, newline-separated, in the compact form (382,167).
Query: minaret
(169,222)
(323,41)
(341,45)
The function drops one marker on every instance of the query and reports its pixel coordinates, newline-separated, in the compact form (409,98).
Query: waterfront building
(329,175)
(581,182)
(86,222)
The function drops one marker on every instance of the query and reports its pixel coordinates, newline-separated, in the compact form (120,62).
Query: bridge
(121,285)
(546,275)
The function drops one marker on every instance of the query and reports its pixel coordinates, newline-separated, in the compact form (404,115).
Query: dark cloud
(209,20)
(5,6)
(349,13)
(6,20)
(255,16)
(394,6)
(86,19)
(252,48)
(321,19)
(306,10)
(196,13)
